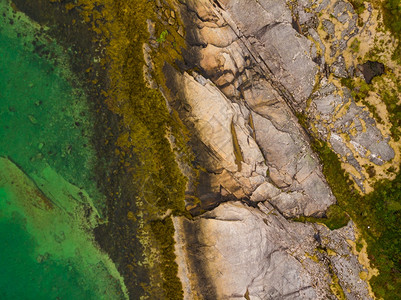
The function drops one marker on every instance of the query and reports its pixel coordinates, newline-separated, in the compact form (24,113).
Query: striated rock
(258,63)
(265,124)
(236,251)
(293,167)
(268,33)
(292,66)
(214,125)
(289,158)
(223,139)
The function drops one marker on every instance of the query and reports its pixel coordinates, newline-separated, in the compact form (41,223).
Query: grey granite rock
(292,167)
(265,117)
(329,27)
(338,68)
(254,70)
(355,122)
(236,251)
(340,11)
(253,16)
(292,66)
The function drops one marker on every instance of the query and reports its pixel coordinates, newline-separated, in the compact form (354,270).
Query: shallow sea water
(49,203)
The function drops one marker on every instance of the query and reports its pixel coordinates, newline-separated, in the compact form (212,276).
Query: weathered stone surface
(267,26)
(340,11)
(340,115)
(292,66)
(256,70)
(338,68)
(344,264)
(236,250)
(329,28)
(252,16)
(292,167)
(219,122)
(213,125)
(220,126)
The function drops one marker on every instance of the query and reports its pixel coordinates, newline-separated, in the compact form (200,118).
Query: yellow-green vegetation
(147,158)
(377,215)
(358,5)
(335,218)
(389,95)
(162,37)
(163,231)
(392,103)
(359,88)
(336,287)
(312,257)
(391,17)
(355,45)
(392,20)
(359,91)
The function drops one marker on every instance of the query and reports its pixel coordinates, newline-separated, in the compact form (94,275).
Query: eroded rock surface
(247,120)
(282,150)
(348,126)
(249,69)
(236,251)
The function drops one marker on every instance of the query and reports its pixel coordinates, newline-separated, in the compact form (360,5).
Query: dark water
(48,199)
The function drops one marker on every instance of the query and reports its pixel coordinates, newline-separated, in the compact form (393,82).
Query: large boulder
(237,251)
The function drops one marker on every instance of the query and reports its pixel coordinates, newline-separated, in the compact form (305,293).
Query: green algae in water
(47,251)
(46,188)
(43,118)
(37,284)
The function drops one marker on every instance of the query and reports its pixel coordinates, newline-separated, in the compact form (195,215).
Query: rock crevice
(246,75)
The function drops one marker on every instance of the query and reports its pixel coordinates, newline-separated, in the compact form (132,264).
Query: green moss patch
(377,215)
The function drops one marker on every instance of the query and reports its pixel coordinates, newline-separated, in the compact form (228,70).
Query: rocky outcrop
(249,69)
(223,128)
(240,115)
(237,252)
(348,126)
(267,58)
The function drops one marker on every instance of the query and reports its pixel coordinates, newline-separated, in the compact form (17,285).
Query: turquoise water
(49,203)
(44,120)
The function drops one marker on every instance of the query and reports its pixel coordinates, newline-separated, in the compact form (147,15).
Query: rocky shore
(250,71)
(207,117)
